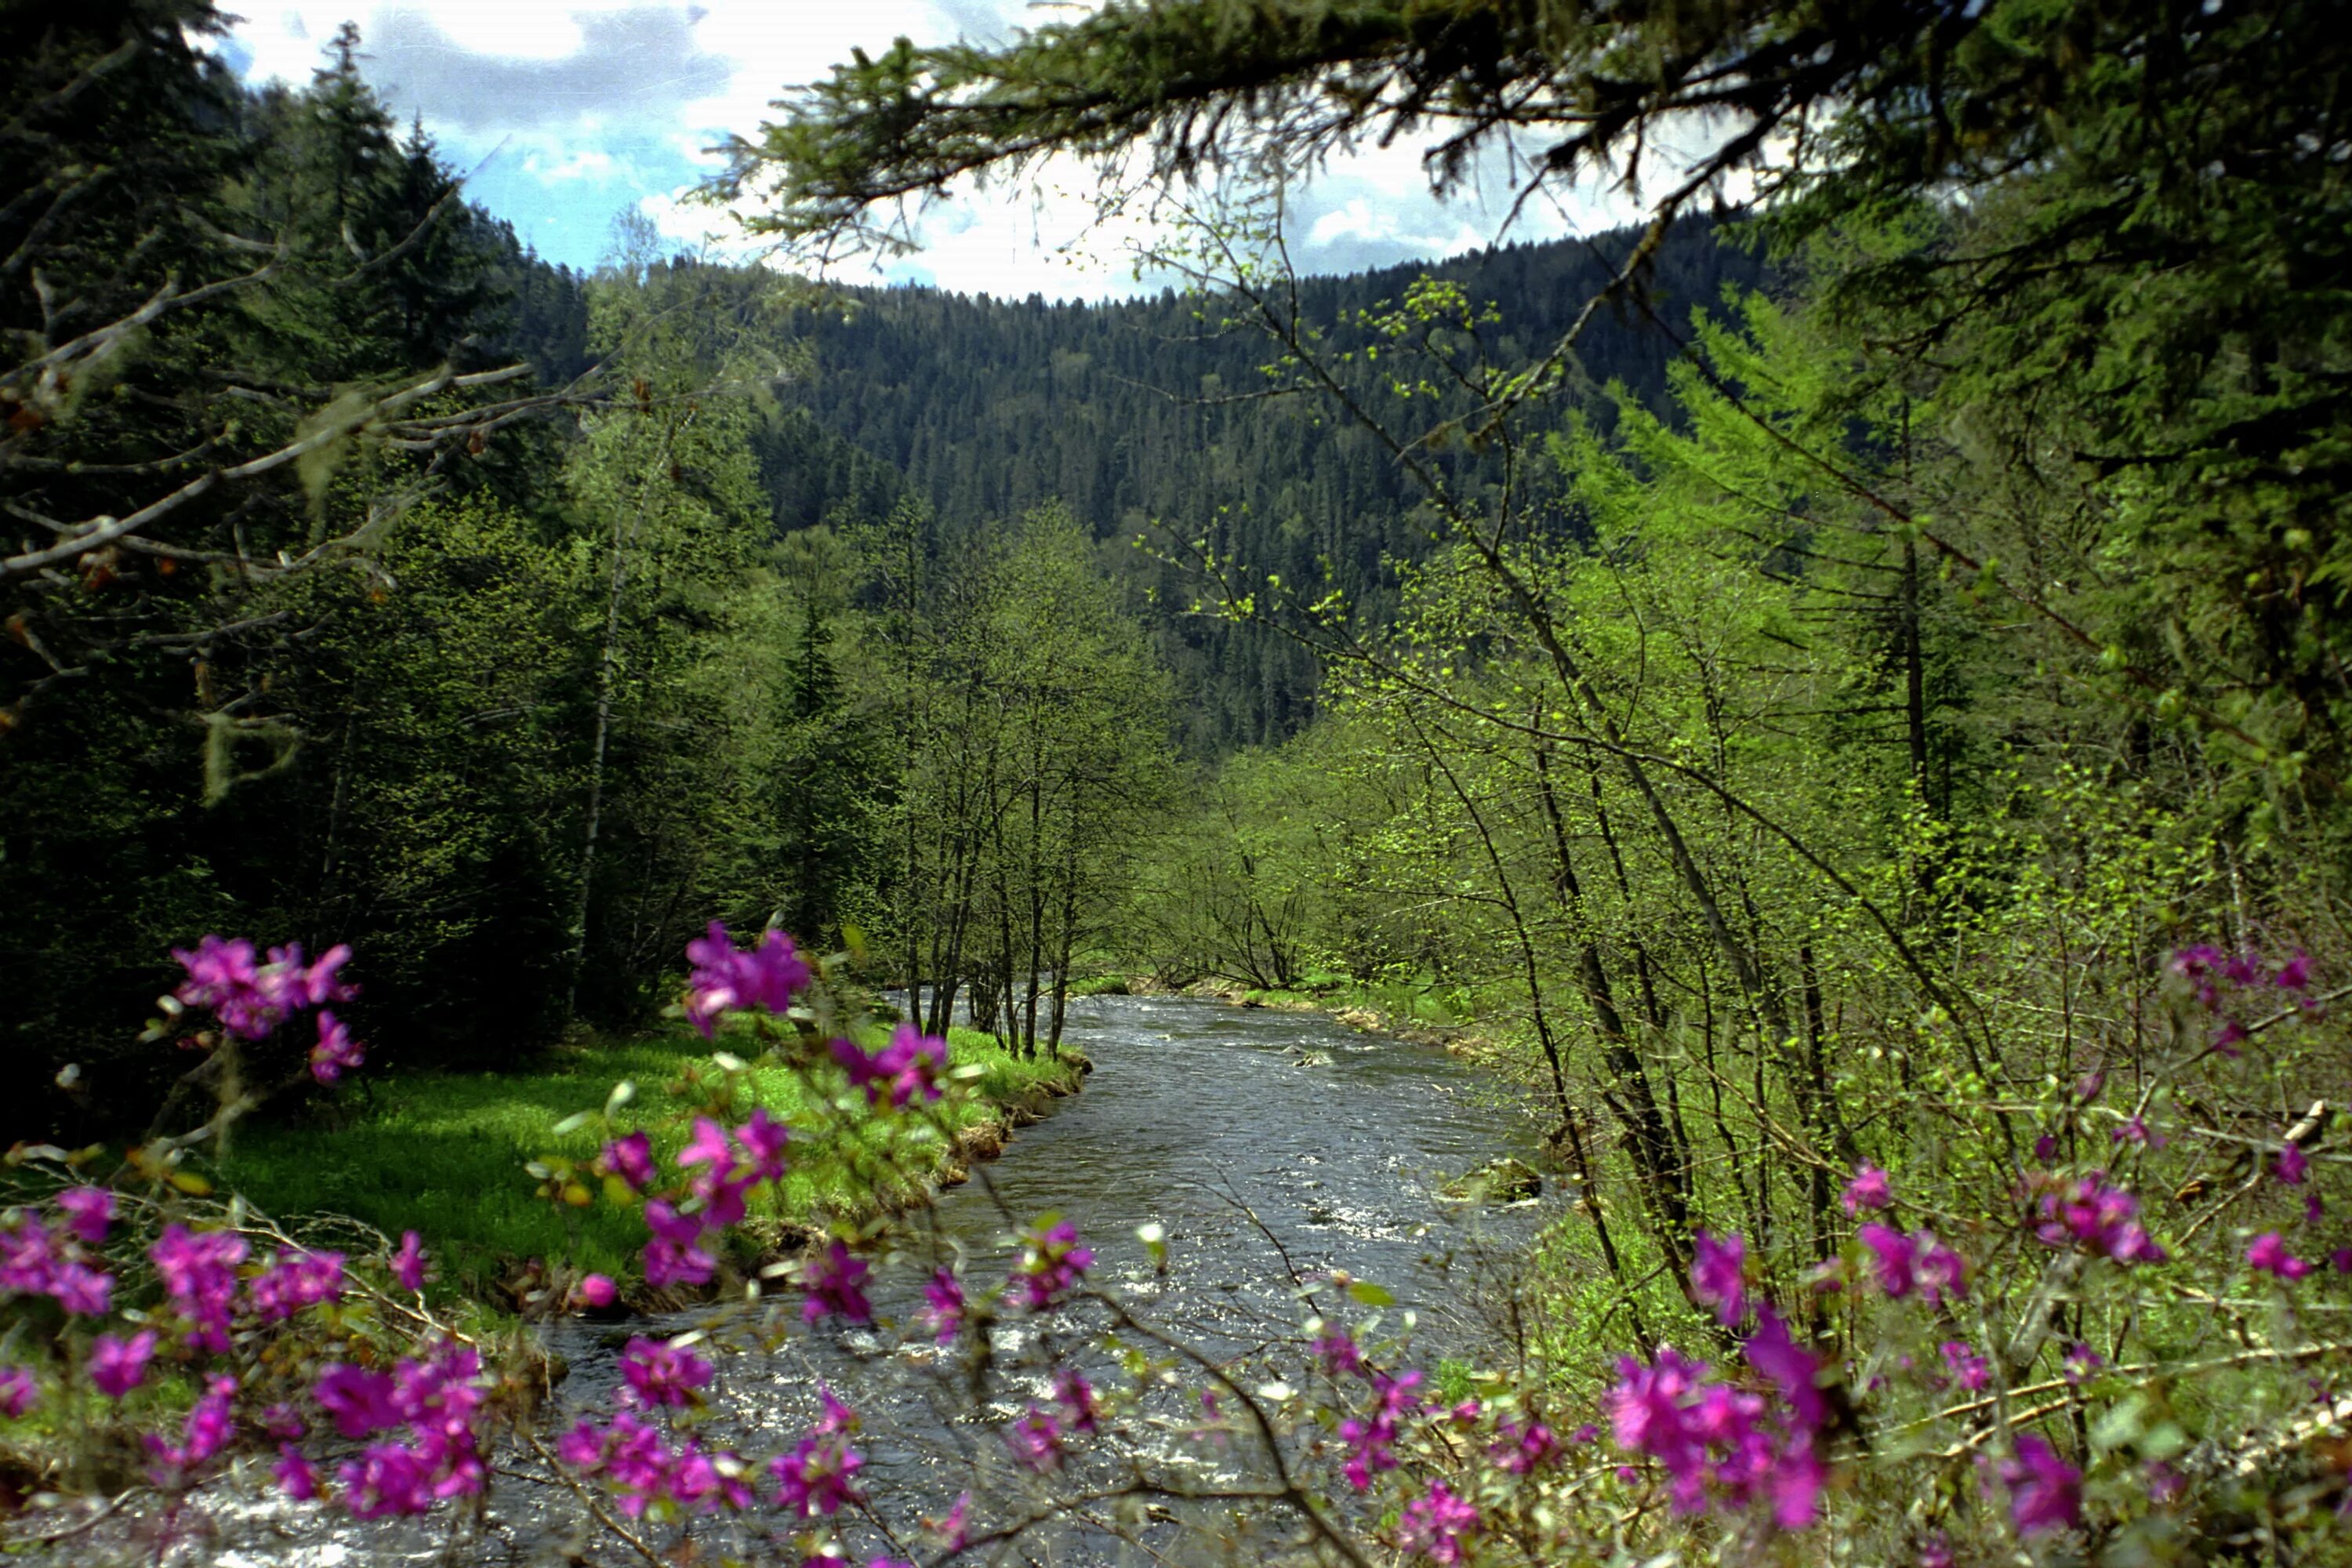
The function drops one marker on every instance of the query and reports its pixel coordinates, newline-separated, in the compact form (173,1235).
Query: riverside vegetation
(1878,774)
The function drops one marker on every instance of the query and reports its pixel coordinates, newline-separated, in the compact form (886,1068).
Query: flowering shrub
(1943,1380)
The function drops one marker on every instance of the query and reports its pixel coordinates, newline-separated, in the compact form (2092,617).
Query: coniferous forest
(1828,706)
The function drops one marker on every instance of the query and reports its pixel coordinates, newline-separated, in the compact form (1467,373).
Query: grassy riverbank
(444,1153)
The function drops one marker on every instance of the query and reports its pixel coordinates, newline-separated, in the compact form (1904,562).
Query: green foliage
(444,1152)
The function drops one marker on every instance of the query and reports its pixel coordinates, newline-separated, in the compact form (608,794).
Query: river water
(1270,1147)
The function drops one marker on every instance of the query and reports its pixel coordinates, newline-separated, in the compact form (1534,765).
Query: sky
(562,113)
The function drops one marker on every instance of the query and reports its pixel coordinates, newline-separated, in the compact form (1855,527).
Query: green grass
(444,1153)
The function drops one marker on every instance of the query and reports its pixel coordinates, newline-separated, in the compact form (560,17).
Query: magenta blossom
(250,999)
(660,1372)
(1051,1263)
(1520,1450)
(202,1434)
(1968,1369)
(762,1140)
(2045,1492)
(18,1392)
(358,1401)
(89,1210)
(1790,1368)
(1433,1526)
(2084,1212)
(1717,1274)
(1075,1395)
(296,1476)
(1371,1439)
(950,1529)
(595,1290)
(2293,1166)
(294,1280)
(669,1262)
(2081,1361)
(818,1478)
(336,1053)
(913,1064)
(1336,1351)
(630,1459)
(1036,1440)
(944,1313)
(1918,1263)
(199,1275)
(1718,1442)
(1870,1189)
(2269,1255)
(835,1281)
(408,1263)
(724,979)
(631,1159)
(118,1365)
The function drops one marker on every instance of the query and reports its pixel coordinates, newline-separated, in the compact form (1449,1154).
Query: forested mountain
(1151,414)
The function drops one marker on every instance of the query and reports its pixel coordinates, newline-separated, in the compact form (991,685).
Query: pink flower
(2295,974)
(1075,1395)
(945,1312)
(89,1210)
(723,979)
(2269,1254)
(336,1053)
(1793,1369)
(670,1262)
(1892,1254)
(18,1392)
(294,1280)
(660,1372)
(2135,1130)
(2045,1492)
(1717,1274)
(2081,1361)
(408,1263)
(1520,1450)
(202,1434)
(1967,1368)
(1870,1189)
(950,1529)
(1336,1351)
(386,1480)
(296,1476)
(595,1290)
(912,1064)
(631,1159)
(2291,1164)
(2084,1212)
(763,1141)
(117,1366)
(1433,1526)
(358,1401)
(1050,1264)
(1371,1439)
(1036,1440)
(818,1478)
(199,1275)
(835,1282)
(708,1146)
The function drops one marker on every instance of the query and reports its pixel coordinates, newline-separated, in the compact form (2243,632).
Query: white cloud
(618,100)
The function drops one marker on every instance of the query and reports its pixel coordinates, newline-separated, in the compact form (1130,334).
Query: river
(1268,1145)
